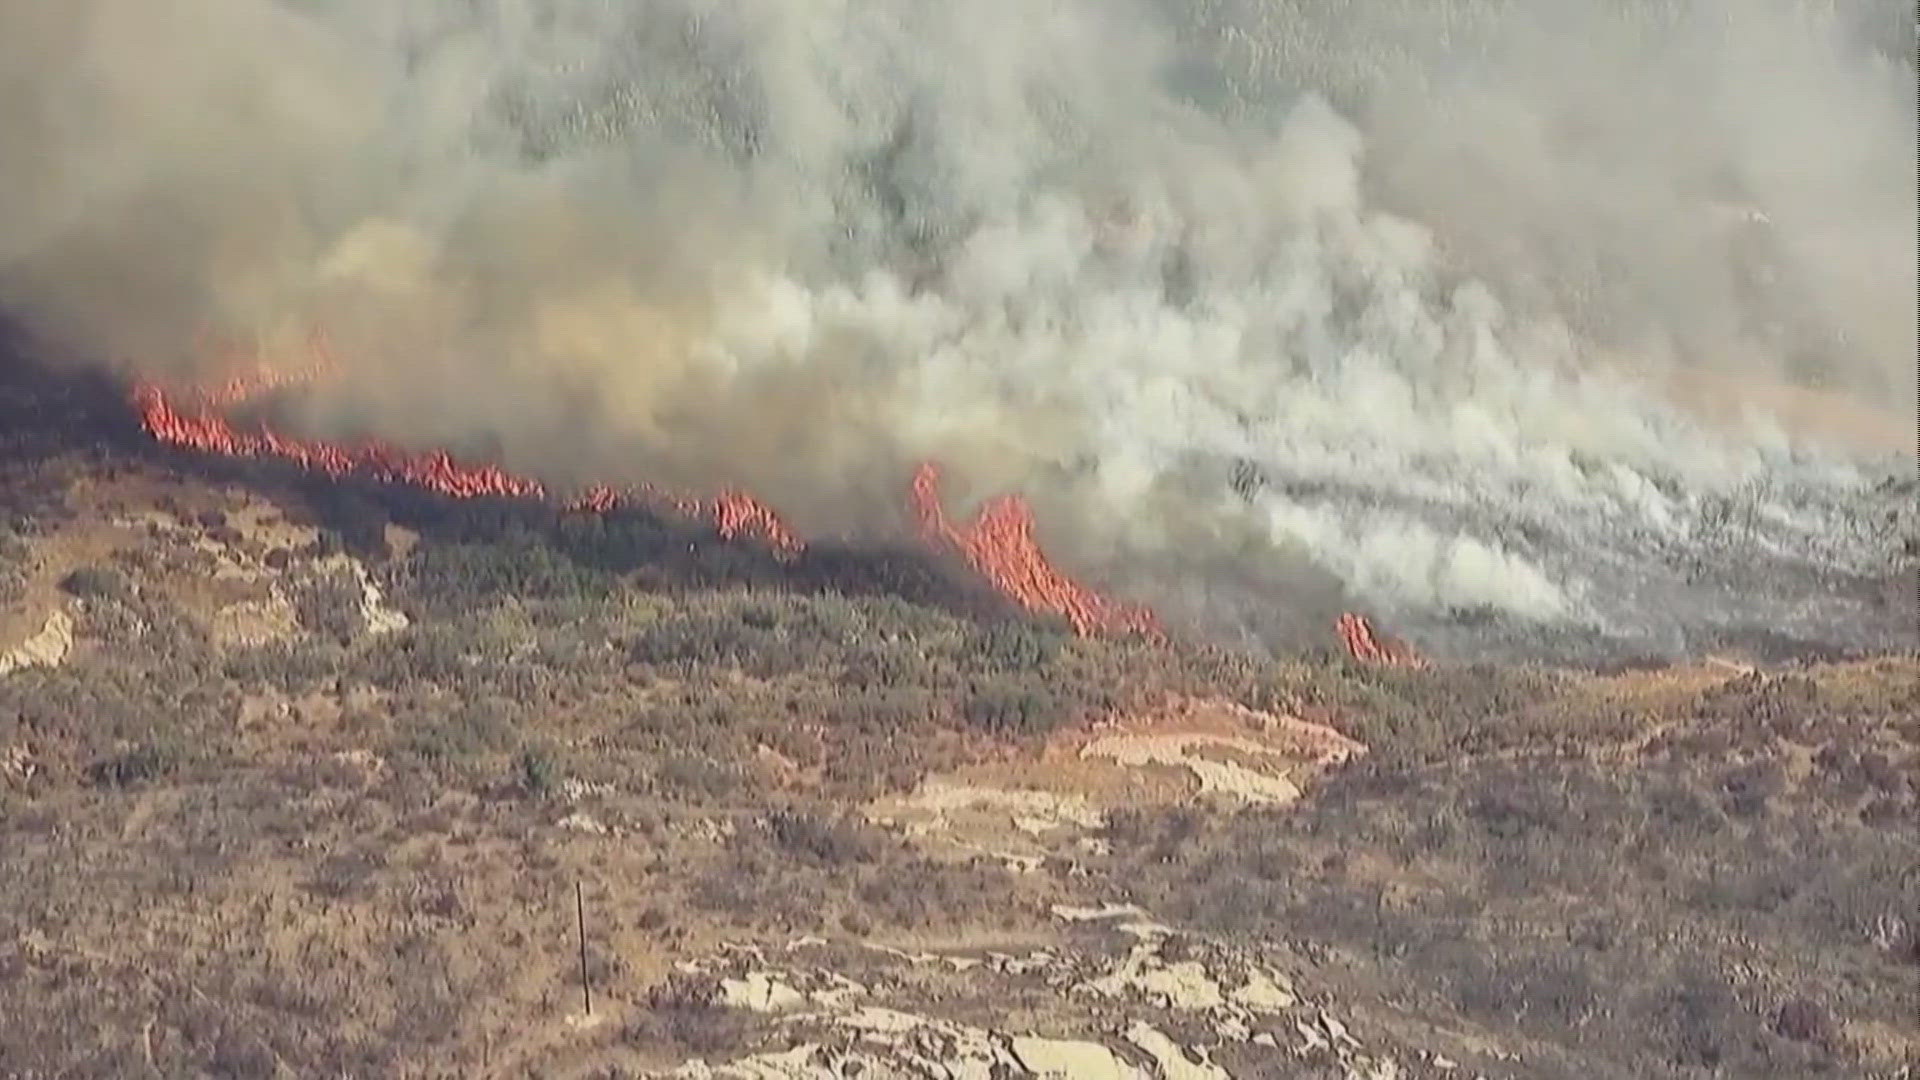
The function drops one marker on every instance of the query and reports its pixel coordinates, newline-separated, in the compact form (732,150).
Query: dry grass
(353,853)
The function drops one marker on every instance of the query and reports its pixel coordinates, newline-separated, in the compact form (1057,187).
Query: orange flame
(204,430)
(733,513)
(1000,546)
(207,432)
(1366,646)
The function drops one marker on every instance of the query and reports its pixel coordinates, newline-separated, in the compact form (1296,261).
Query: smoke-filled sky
(1517,323)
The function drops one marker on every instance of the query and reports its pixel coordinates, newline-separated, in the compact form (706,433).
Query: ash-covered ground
(1811,563)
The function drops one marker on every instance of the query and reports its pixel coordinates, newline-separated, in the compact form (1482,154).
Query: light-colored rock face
(938,802)
(1142,1000)
(273,616)
(762,993)
(1233,992)
(1169,1058)
(1189,750)
(1204,756)
(878,1042)
(47,648)
(1130,997)
(375,615)
(1018,827)
(1066,1059)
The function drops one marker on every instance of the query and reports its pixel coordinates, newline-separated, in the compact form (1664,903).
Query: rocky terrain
(299,778)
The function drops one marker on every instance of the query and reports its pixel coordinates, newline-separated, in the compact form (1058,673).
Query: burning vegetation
(999,543)
(1000,546)
(1363,643)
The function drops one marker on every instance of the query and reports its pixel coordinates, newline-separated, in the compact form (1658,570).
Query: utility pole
(580,918)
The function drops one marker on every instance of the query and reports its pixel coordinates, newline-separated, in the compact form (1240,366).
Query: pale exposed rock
(936,804)
(1145,929)
(1020,965)
(838,996)
(1169,1057)
(1063,1059)
(761,993)
(1184,986)
(1264,993)
(47,648)
(1215,776)
(874,1040)
(1310,1038)
(881,1030)
(1337,1030)
(1303,739)
(375,615)
(1094,914)
(873,1018)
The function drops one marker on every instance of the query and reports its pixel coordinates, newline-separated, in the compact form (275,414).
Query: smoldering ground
(1541,328)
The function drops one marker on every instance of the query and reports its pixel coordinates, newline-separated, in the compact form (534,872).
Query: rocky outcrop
(1148,1002)
(44,649)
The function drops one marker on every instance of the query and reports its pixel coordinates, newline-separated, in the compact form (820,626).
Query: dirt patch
(1215,774)
(1224,750)
(1022,809)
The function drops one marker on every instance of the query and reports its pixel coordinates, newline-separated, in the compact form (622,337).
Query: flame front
(1001,547)
(206,431)
(999,544)
(1366,646)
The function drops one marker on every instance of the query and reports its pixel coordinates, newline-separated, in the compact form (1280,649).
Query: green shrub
(821,839)
(98,582)
(1014,708)
(331,606)
(1013,646)
(148,761)
(536,773)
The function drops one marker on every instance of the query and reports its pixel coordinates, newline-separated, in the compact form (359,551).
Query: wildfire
(734,514)
(206,431)
(1365,645)
(1000,546)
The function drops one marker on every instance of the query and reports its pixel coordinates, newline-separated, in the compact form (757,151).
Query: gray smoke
(1535,327)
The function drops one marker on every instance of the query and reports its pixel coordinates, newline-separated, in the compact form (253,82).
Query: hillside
(298,778)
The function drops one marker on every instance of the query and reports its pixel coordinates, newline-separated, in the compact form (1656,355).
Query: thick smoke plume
(1528,325)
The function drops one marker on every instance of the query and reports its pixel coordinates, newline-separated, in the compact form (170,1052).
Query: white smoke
(1492,308)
